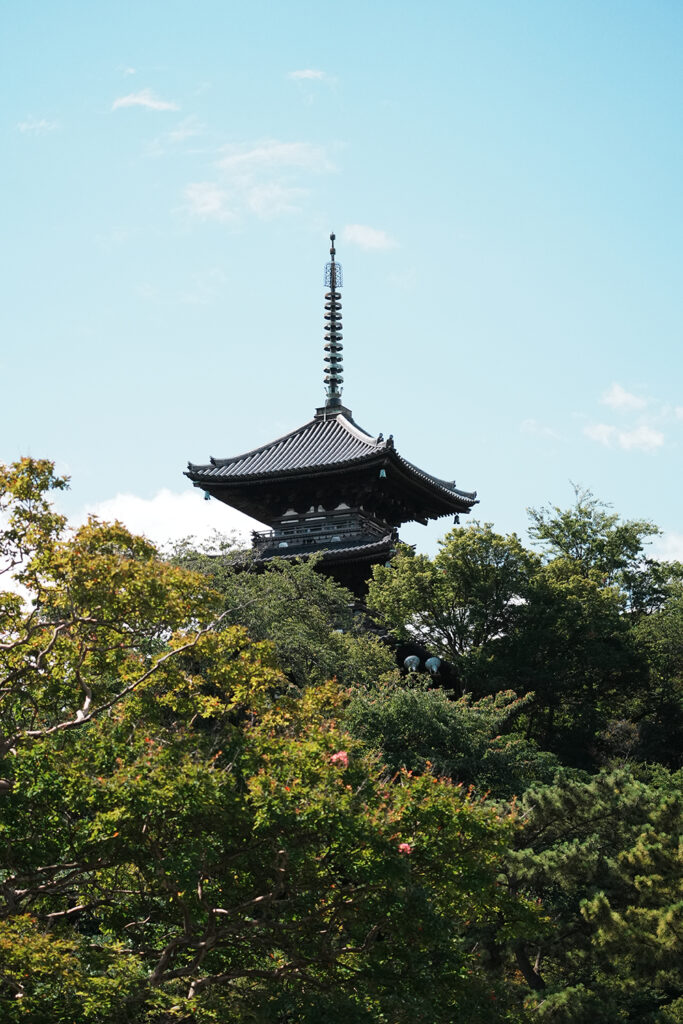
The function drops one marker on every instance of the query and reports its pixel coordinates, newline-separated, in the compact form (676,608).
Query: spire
(333,336)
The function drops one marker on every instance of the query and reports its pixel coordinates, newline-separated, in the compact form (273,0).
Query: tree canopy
(222,800)
(187,835)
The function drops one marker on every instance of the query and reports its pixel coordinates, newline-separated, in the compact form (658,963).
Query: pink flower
(341,757)
(405,848)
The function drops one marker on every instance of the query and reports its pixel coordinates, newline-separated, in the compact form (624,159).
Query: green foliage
(590,537)
(574,649)
(659,637)
(604,857)
(255,873)
(469,741)
(190,834)
(571,629)
(48,978)
(186,837)
(309,619)
(459,603)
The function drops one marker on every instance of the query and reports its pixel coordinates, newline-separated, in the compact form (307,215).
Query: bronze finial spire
(333,336)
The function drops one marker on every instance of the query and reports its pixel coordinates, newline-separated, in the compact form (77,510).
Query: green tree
(461,602)
(573,648)
(604,857)
(99,614)
(184,836)
(590,536)
(659,709)
(596,543)
(311,621)
(639,928)
(471,741)
(592,617)
(562,626)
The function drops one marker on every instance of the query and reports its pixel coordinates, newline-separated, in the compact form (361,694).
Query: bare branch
(82,718)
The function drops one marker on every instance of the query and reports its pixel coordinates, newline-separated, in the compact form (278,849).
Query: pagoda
(329,486)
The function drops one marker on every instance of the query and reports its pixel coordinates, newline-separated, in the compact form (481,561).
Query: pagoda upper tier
(328,462)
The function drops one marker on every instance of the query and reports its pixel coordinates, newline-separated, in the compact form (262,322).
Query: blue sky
(505,185)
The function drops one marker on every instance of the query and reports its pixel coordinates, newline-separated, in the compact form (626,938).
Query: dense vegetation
(222,801)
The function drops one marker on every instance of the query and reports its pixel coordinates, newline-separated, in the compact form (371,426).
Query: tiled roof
(320,442)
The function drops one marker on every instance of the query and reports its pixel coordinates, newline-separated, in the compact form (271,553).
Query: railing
(318,532)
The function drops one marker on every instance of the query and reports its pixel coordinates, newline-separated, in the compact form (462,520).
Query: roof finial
(333,335)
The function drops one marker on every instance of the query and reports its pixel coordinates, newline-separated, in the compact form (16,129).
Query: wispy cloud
(273,155)
(265,179)
(368,238)
(617,397)
(643,438)
(603,433)
(188,128)
(37,126)
(307,73)
(208,201)
(145,98)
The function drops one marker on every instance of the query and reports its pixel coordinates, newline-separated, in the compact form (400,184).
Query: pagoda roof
(330,442)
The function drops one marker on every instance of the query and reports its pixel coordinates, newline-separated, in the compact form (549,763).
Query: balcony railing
(318,532)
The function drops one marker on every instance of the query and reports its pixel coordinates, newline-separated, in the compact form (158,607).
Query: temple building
(329,486)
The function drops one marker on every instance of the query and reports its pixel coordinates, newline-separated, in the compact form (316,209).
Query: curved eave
(447,498)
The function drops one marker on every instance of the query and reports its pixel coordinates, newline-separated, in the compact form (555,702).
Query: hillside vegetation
(222,801)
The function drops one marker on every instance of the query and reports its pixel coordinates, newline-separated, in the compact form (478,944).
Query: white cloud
(37,126)
(273,155)
(308,73)
(208,201)
(144,98)
(263,179)
(668,547)
(163,519)
(600,432)
(642,438)
(678,412)
(170,516)
(618,398)
(368,238)
(188,128)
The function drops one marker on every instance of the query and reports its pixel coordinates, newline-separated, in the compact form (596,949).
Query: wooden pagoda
(329,486)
